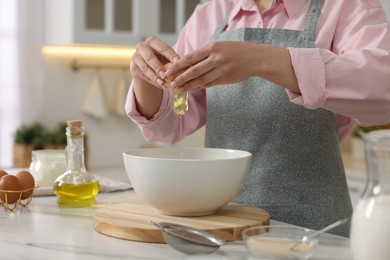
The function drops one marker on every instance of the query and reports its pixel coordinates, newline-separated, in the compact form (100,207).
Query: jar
(370,230)
(47,165)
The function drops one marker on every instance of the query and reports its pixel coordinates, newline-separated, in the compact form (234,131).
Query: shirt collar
(292,7)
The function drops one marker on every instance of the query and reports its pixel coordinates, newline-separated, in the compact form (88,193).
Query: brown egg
(3,173)
(27,182)
(10,183)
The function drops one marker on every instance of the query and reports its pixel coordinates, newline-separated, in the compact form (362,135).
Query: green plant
(33,133)
(57,136)
(36,134)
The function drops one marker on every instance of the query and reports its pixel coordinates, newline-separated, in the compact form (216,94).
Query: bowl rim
(311,243)
(245,231)
(244,154)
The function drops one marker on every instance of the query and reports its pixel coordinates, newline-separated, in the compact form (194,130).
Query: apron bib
(297,173)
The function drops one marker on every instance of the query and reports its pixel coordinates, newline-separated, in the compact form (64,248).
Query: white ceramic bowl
(187,181)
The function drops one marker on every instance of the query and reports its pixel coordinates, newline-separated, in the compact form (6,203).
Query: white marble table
(43,230)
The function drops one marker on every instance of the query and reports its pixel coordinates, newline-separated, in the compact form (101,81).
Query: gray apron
(297,173)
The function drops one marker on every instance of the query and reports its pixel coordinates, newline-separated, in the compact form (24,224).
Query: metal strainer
(189,240)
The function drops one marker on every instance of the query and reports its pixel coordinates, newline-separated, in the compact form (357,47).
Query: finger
(188,60)
(143,67)
(137,73)
(193,72)
(204,81)
(164,49)
(216,82)
(150,59)
(144,72)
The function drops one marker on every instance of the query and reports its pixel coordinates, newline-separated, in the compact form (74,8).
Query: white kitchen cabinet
(115,22)
(386,7)
(170,17)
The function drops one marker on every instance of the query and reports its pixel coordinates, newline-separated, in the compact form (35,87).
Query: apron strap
(221,26)
(310,23)
(311,19)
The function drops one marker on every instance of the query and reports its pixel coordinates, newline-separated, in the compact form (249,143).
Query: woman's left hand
(214,64)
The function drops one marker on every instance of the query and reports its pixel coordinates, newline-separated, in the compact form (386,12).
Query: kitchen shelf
(76,65)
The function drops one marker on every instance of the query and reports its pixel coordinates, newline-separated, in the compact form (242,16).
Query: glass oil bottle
(76,187)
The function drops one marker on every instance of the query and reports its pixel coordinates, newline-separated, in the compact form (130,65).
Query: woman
(285,80)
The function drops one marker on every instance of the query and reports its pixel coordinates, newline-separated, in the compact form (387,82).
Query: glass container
(370,230)
(279,242)
(47,165)
(76,187)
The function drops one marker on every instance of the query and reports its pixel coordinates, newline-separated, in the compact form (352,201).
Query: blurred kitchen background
(68,59)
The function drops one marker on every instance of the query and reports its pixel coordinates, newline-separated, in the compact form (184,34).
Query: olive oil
(76,187)
(76,195)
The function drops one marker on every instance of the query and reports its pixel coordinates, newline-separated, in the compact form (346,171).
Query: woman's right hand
(147,69)
(148,61)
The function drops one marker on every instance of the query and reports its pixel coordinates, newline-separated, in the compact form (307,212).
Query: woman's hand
(148,74)
(148,60)
(230,62)
(215,63)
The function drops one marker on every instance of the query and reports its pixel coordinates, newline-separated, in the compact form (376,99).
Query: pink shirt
(348,71)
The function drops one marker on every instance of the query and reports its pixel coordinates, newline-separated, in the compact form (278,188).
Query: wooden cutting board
(131,221)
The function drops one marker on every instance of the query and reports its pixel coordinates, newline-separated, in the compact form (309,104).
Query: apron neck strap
(311,20)
(310,23)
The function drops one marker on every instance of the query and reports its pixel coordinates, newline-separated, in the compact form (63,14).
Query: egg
(27,182)
(10,183)
(3,173)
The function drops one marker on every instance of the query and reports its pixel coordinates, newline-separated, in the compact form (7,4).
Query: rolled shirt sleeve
(352,80)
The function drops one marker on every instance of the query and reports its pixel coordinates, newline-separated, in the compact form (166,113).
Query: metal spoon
(189,240)
(319,232)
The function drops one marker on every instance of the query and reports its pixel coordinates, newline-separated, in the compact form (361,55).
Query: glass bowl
(276,242)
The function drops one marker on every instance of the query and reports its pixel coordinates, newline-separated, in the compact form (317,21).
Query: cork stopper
(76,128)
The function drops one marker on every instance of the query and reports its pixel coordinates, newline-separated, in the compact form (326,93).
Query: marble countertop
(42,230)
